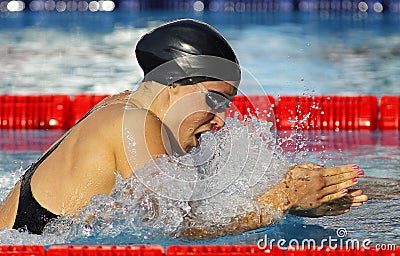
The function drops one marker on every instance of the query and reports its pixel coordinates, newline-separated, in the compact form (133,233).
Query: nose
(218,119)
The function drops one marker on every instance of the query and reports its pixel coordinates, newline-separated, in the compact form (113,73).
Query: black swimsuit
(31,216)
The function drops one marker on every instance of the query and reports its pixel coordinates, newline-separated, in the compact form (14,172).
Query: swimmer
(191,74)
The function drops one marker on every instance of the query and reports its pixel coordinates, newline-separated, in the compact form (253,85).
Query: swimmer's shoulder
(140,123)
(118,114)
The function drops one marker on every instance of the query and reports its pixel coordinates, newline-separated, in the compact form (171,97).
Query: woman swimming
(191,74)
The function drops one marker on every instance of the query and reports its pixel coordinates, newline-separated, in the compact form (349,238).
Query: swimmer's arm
(305,187)
(9,207)
(270,207)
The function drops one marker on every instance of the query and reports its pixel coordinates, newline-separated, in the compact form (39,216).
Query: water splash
(154,209)
(214,182)
(8,181)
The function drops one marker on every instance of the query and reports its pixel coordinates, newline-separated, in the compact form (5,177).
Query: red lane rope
(189,250)
(389,113)
(292,112)
(327,112)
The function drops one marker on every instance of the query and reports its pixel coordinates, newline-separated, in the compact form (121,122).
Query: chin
(190,147)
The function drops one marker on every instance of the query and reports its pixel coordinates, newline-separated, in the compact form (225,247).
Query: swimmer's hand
(308,186)
(315,190)
(307,190)
(338,206)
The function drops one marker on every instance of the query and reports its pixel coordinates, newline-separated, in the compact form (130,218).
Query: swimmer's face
(195,109)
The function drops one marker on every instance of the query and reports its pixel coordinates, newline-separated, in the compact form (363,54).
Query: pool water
(378,220)
(288,53)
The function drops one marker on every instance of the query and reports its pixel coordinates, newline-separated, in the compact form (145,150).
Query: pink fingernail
(355,166)
(344,191)
(361,172)
(354,180)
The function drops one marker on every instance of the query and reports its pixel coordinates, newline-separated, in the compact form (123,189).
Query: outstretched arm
(305,188)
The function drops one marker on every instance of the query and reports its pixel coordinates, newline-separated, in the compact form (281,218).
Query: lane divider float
(327,113)
(291,112)
(188,250)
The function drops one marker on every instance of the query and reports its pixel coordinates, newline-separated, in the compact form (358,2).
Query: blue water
(378,220)
(288,53)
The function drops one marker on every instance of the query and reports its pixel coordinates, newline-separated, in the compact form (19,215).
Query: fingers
(360,199)
(345,177)
(339,203)
(326,185)
(355,192)
(340,187)
(336,170)
(357,196)
(346,201)
(333,196)
(340,178)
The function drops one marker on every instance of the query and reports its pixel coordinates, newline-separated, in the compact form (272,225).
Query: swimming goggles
(217,101)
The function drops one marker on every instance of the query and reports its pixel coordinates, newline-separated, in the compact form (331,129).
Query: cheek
(193,122)
(200,118)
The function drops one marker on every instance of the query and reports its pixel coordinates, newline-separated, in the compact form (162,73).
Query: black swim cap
(191,51)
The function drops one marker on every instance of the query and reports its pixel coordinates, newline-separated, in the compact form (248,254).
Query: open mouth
(198,137)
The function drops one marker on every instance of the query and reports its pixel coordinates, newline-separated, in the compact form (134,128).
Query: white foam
(152,204)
